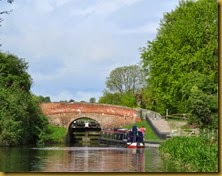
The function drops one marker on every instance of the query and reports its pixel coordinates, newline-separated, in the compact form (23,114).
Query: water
(82,159)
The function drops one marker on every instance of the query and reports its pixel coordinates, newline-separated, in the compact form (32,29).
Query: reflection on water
(82,159)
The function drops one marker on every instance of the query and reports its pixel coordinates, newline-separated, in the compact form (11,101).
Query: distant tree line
(91,100)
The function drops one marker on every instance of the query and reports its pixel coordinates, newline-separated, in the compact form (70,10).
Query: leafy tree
(182,59)
(21,120)
(128,99)
(110,98)
(125,79)
(42,99)
(71,100)
(148,100)
(124,99)
(92,100)
(124,86)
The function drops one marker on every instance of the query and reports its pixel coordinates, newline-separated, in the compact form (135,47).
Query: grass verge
(195,154)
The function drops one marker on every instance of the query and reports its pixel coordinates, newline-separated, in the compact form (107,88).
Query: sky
(71,46)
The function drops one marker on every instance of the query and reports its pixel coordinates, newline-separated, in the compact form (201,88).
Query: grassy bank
(196,154)
(53,135)
(149,135)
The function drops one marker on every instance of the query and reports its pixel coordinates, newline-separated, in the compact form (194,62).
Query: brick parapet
(55,108)
(63,114)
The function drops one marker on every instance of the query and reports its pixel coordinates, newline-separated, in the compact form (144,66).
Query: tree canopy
(125,79)
(123,85)
(181,63)
(21,120)
(92,100)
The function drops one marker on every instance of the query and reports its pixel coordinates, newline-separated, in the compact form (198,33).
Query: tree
(124,99)
(42,99)
(182,58)
(92,100)
(110,98)
(124,86)
(71,100)
(125,79)
(21,119)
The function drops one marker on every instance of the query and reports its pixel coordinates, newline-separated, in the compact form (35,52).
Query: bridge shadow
(83,131)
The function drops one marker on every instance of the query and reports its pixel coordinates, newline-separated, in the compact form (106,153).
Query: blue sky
(73,45)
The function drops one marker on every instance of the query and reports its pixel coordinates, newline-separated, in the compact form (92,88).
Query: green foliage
(125,79)
(203,108)
(181,58)
(42,99)
(124,86)
(110,98)
(92,100)
(148,100)
(128,99)
(53,135)
(21,120)
(71,100)
(197,154)
(125,99)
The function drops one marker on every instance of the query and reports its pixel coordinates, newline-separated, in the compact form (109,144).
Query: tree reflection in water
(82,159)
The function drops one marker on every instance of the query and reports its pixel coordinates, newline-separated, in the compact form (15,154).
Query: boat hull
(135,145)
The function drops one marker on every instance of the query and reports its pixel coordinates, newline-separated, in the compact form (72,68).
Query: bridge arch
(105,116)
(108,116)
(83,130)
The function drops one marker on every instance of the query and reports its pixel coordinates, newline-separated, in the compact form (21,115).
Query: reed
(196,154)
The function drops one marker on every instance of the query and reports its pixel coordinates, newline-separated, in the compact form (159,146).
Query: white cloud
(59,3)
(147,28)
(72,46)
(104,7)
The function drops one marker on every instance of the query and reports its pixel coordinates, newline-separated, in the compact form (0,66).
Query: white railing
(184,132)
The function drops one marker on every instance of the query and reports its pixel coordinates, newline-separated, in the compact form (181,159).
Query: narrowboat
(135,140)
(122,137)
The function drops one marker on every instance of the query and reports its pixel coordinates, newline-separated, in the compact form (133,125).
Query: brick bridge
(108,116)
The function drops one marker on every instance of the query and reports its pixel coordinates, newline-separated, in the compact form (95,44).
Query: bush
(53,135)
(197,154)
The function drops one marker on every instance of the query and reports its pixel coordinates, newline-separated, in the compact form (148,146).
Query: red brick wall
(109,116)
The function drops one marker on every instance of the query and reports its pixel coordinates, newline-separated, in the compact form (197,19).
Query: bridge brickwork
(108,116)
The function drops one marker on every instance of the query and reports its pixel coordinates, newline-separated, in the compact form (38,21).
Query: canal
(83,159)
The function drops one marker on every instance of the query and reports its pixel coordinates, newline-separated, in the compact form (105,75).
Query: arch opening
(84,131)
